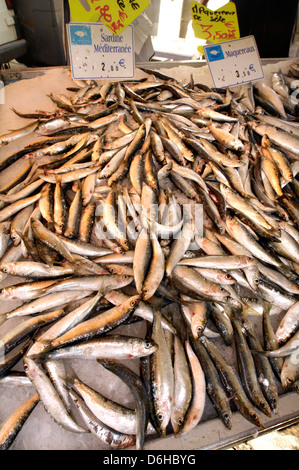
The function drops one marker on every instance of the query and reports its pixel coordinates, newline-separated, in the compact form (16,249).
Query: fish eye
(228,277)
(26,367)
(257,281)
(222,289)
(160,416)
(180,421)
(4,270)
(148,345)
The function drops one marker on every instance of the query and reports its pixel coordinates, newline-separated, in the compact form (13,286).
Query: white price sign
(97,53)
(235,62)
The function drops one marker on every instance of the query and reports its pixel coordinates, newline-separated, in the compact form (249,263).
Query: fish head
(197,329)
(177,421)
(134,301)
(6,268)
(150,347)
(31,368)
(227,418)
(15,237)
(141,347)
(163,417)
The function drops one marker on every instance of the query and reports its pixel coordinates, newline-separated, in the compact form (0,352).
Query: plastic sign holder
(233,63)
(96,53)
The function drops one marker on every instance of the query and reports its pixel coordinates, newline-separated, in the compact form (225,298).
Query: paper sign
(115,14)
(96,53)
(215,26)
(233,63)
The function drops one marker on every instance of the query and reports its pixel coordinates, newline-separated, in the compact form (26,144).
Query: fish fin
(259,353)
(58,179)
(267,308)
(3,317)
(248,329)
(71,377)
(248,309)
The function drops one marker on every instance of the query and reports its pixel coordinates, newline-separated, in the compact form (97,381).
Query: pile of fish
(159,201)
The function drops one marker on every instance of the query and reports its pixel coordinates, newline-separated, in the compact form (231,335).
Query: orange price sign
(116,15)
(215,25)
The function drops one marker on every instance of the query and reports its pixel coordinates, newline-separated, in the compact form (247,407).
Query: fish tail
(3,318)
(260,353)
(72,376)
(267,308)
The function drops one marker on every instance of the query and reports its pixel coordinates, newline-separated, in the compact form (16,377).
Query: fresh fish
(223,323)
(34,269)
(222,262)
(100,324)
(49,396)
(99,283)
(264,370)
(232,383)
(270,341)
(289,348)
(112,414)
(161,377)
(111,347)
(288,325)
(101,432)
(247,370)
(68,321)
(156,270)
(138,390)
(270,94)
(190,278)
(143,310)
(11,427)
(14,135)
(197,405)
(179,246)
(214,386)
(182,386)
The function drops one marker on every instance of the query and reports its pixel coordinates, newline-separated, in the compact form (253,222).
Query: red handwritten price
(114,26)
(217,35)
(215,26)
(104,13)
(116,15)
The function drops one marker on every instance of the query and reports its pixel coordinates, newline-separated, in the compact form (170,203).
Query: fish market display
(157,201)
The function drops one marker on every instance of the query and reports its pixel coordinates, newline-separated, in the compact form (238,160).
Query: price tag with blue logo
(235,62)
(96,53)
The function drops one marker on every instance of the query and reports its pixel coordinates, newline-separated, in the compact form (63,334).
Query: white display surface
(97,53)
(40,432)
